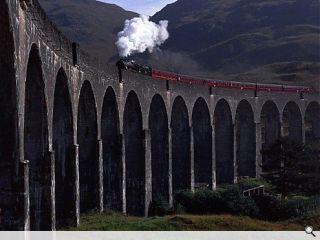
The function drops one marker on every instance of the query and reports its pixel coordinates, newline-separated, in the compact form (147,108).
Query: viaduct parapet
(74,138)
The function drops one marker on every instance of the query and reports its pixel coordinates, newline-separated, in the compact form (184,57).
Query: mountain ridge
(93,24)
(230,39)
(234,38)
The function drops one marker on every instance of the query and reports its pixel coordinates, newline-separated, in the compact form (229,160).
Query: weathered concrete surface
(192,135)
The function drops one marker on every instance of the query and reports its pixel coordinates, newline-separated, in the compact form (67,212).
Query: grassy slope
(91,23)
(242,40)
(259,39)
(217,33)
(117,222)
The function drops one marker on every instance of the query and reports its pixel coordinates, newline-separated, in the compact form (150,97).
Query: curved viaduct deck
(74,139)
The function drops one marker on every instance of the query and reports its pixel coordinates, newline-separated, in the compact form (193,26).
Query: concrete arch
(134,156)
(292,122)
(112,165)
(88,145)
(224,142)
(144,101)
(89,82)
(312,122)
(36,143)
(245,140)
(63,147)
(181,156)
(158,123)
(227,101)
(270,125)
(202,141)
(8,119)
(164,98)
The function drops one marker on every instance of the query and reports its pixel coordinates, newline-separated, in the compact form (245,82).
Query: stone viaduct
(74,138)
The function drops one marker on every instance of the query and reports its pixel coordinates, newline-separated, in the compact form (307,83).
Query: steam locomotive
(123,64)
(131,64)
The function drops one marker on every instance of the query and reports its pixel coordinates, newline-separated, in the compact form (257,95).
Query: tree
(292,168)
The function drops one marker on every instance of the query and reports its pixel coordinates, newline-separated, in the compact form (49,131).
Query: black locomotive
(131,64)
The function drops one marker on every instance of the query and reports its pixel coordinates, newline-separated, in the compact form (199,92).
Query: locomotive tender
(123,64)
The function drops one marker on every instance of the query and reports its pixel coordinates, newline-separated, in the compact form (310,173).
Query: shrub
(269,207)
(272,208)
(229,200)
(179,209)
(160,207)
(236,203)
(183,199)
(201,202)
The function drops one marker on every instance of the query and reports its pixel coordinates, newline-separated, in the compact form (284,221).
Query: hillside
(93,24)
(255,38)
(273,41)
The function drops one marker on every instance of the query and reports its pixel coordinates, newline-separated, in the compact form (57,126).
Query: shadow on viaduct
(74,139)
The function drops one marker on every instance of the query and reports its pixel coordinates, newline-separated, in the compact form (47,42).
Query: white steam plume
(140,34)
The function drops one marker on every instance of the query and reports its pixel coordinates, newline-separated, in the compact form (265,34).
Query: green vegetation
(292,168)
(228,209)
(225,200)
(117,222)
(272,208)
(160,207)
(231,201)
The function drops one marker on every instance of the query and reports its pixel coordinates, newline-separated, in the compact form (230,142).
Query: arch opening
(158,123)
(292,122)
(135,156)
(36,144)
(88,146)
(202,137)
(8,120)
(224,135)
(63,147)
(112,165)
(246,141)
(181,157)
(312,122)
(270,126)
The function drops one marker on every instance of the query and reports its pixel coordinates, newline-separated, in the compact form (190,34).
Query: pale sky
(147,7)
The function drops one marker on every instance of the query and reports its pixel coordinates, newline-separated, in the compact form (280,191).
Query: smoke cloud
(140,34)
